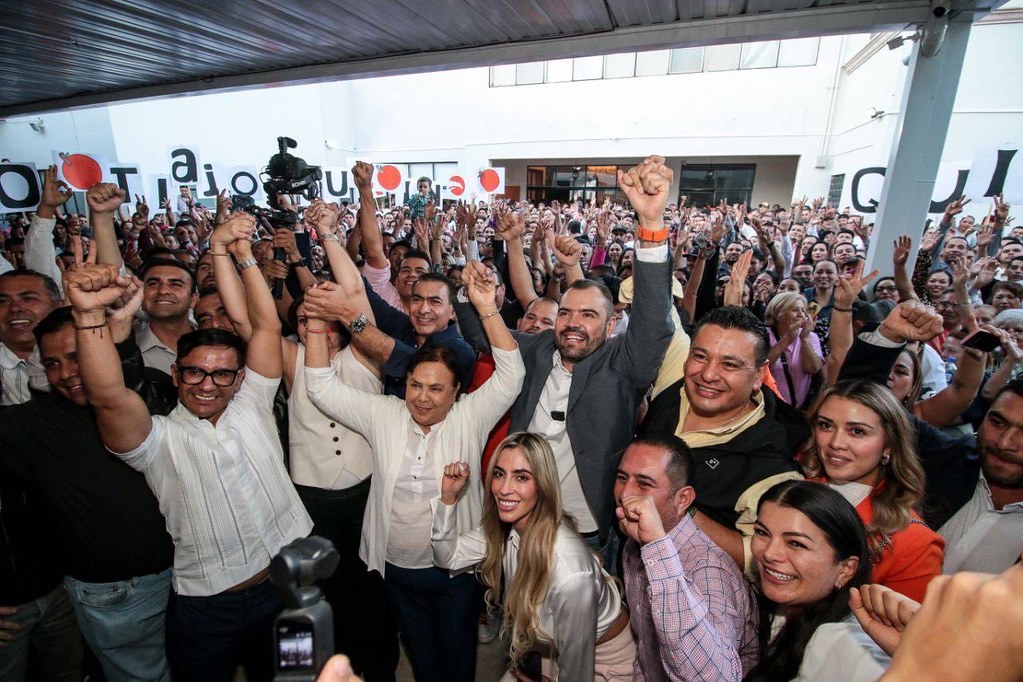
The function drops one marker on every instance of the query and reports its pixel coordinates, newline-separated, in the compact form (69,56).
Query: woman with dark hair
(563,614)
(810,550)
(412,440)
(863,447)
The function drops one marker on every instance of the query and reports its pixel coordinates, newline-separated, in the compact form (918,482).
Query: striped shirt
(229,504)
(692,612)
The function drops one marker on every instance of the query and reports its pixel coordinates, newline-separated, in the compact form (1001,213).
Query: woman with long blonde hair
(563,615)
(862,446)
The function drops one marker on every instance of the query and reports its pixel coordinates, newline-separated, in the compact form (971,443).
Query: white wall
(778,116)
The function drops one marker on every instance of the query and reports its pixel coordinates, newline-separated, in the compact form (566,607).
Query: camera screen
(295,650)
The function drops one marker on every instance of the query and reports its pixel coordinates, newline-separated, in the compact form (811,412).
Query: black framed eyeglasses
(196,375)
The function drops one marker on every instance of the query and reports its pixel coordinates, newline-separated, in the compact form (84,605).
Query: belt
(617,627)
(251,582)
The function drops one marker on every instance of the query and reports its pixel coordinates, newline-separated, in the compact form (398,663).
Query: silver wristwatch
(247,263)
(358,324)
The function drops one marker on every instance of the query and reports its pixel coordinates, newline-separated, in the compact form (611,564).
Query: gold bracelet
(489,315)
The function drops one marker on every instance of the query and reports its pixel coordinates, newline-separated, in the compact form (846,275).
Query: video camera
(304,631)
(285,174)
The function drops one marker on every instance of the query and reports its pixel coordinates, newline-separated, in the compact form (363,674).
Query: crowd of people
(641,440)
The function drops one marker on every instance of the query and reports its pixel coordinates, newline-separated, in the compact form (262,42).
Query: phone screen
(982,341)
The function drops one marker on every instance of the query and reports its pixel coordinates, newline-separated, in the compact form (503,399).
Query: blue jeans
(609,552)
(437,617)
(123,622)
(50,633)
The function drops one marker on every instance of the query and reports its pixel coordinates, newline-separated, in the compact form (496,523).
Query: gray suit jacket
(607,386)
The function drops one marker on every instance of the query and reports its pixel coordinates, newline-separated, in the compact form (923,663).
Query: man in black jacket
(104,532)
(743,439)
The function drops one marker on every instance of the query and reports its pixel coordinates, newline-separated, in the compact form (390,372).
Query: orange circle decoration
(457,185)
(489,180)
(81,171)
(389,177)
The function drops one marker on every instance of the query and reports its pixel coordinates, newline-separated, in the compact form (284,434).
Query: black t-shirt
(108,525)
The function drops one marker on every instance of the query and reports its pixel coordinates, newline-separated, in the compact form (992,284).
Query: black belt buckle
(557,415)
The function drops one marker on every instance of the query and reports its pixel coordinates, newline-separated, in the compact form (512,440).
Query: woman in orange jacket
(862,446)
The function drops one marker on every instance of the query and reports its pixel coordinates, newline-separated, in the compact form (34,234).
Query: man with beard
(985,534)
(168,295)
(583,388)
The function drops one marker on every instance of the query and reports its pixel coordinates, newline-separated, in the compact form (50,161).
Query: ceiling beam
(832,20)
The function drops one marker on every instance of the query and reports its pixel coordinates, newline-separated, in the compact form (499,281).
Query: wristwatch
(358,325)
(247,263)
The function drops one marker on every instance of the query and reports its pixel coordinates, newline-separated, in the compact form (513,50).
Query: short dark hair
(413,253)
(1013,288)
(544,299)
(48,282)
(55,321)
(743,319)
(431,352)
(422,180)
(435,277)
(599,285)
(681,462)
(1014,386)
(211,337)
(167,262)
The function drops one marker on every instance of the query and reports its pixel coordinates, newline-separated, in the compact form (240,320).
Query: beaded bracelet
(91,327)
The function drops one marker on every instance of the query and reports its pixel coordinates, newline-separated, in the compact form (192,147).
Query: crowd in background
(636,440)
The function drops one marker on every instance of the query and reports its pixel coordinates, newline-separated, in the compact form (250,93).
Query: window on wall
(767,54)
(710,184)
(686,60)
(620,65)
(569,183)
(835,190)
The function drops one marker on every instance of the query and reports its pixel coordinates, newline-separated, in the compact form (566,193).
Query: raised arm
(946,406)
(40,253)
(226,237)
(122,416)
(900,256)
(264,355)
(650,328)
(104,199)
(372,240)
(567,250)
(840,339)
(511,227)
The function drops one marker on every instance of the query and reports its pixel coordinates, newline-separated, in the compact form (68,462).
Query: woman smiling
(862,446)
(563,614)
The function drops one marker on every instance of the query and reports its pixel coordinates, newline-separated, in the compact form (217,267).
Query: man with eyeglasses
(215,464)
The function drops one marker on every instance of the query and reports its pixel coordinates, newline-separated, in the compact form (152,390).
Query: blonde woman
(795,356)
(563,615)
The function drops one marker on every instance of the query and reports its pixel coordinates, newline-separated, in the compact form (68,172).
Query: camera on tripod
(304,631)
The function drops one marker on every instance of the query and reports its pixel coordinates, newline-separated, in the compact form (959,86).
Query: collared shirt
(581,603)
(17,375)
(380,280)
(155,353)
(721,434)
(554,398)
(229,504)
(408,543)
(981,538)
(692,612)
(417,204)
